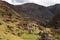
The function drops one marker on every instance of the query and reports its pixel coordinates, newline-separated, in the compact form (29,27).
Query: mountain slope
(6,14)
(33,12)
(54,8)
(55,22)
(26,23)
(13,26)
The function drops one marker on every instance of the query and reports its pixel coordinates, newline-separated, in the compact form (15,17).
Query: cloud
(20,1)
(40,2)
(43,2)
(57,1)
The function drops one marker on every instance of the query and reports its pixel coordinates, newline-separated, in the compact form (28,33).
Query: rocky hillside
(14,27)
(33,12)
(7,18)
(23,22)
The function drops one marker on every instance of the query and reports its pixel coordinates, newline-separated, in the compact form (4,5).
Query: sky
(40,2)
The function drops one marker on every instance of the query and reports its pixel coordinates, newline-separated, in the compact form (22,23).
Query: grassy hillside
(32,12)
(12,25)
(5,14)
(15,27)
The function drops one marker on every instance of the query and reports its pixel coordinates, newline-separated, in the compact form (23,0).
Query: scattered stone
(0,23)
(0,38)
(13,33)
(19,34)
(10,27)
(7,39)
(44,36)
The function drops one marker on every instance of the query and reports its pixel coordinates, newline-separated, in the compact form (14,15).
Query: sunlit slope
(5,14)
(14,27)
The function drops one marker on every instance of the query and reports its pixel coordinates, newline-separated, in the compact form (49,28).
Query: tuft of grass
(30,37)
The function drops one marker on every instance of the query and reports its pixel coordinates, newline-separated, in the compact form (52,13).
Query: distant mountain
(40,14)
(54,8)
(55,21)
(33,12)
